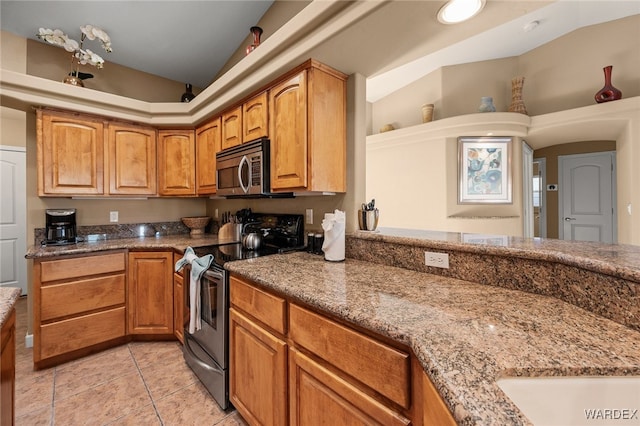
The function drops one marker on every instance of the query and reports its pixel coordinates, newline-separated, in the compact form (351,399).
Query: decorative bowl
(196,224)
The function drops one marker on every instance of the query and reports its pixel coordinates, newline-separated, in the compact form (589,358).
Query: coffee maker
(61,226)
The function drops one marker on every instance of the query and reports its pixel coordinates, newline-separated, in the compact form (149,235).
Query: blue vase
(486,104)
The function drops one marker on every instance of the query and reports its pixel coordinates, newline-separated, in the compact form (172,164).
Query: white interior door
(587,197)
(13,217)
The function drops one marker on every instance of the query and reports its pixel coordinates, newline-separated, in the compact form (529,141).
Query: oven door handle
(244,162)
(197,360)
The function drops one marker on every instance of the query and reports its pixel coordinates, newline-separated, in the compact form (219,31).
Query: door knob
(569,218)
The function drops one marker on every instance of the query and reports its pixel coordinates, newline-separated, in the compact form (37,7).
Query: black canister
(318,240)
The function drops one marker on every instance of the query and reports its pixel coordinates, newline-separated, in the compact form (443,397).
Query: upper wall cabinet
(307,129)
(232,128)
(208,142)
(70,152)
(132,159)
(255,117)
(176,162)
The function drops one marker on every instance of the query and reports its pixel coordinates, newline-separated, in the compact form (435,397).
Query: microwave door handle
(243,162)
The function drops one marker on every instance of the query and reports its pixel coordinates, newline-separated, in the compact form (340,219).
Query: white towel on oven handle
(198,266)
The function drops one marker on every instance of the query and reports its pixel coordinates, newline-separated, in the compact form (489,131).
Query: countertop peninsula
(465,335)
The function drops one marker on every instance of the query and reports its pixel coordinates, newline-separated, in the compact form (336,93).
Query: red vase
(608,92)
(257,32)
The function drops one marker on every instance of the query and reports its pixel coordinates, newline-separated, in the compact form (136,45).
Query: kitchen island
(467,335)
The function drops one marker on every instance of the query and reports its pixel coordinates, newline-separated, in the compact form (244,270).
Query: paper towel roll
(334,236)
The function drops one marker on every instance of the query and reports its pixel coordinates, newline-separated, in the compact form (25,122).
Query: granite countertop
(8,297)
(169,242)
(620,260)
(465,335)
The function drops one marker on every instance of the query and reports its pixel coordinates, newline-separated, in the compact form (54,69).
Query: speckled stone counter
(8,297)
(169,242)
(601,278)
(466,335)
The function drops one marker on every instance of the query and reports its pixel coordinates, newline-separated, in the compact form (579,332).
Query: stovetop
(281,233)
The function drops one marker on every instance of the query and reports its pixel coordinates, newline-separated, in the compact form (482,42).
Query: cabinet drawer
(65,336)
(264,307)
(381,367)
(61,269)
(81,296)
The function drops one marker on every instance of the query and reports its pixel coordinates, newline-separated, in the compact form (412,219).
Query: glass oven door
(214,315)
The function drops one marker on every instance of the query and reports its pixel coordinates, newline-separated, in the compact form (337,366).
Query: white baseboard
(28,341)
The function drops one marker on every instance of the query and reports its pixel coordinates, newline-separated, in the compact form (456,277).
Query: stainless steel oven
(206,351)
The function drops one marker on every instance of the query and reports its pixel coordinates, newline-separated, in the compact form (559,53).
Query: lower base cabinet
(321,397)
(150,293)
(258,361)
(290,365)
(8,369)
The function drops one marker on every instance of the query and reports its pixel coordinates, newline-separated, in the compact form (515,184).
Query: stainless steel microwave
(244,171)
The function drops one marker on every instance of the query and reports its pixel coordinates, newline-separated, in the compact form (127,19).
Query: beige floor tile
(233,419)
(146,353)
(33,391)
(191,405)
(167,377)
(145,416)
(85,373)
(38,417)
(103,403)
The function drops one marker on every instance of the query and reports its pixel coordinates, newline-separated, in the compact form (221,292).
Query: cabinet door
(288,133)
(176,162)
(150,293)
(208,144)
(232,128)
(255,118)
(132,160)
(178,307)
(70,153)
(319,396)
(257,372)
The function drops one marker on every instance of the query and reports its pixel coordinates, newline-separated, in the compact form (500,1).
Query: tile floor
(141,383)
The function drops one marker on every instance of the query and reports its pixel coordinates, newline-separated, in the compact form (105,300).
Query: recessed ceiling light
(456,11)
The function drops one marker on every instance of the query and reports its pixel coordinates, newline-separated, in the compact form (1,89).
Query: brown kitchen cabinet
(307,129)
(333,373)
(255,115)
(150,293)
(8,369)
(132,159)
(208,144)
(176,162)
(179,318)
(257,355)
(70,154)
(79,303)
(232,128)
(319,396)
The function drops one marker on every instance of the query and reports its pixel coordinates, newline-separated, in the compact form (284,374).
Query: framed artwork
(484,168)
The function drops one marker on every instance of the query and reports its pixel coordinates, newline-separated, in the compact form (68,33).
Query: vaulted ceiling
(397,43)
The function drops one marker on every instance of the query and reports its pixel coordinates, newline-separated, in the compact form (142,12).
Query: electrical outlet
(309,216)
(113,216)
(438,260)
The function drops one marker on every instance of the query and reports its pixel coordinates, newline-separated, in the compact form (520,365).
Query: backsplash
(125,230)
(612,297)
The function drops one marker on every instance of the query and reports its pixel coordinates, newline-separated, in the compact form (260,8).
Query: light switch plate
(309,214)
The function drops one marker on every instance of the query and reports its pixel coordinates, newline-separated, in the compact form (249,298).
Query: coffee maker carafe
(61,226)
